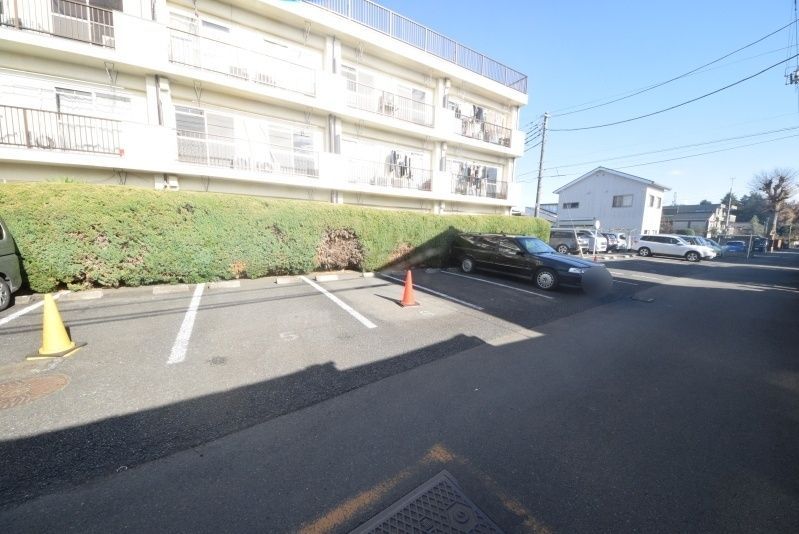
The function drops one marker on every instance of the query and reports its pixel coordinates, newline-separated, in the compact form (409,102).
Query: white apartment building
(332,100)
(621,202)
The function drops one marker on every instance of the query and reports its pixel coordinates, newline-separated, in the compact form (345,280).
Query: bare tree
(777,186)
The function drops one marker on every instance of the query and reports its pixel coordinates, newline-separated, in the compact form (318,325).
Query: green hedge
(77,235)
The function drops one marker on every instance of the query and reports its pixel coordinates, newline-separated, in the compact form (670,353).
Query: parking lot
(168,368)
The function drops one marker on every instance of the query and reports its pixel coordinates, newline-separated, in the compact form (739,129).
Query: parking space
(169,368)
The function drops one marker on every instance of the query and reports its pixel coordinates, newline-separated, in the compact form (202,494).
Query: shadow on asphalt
(53,460)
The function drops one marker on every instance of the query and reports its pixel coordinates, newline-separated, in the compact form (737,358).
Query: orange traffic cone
(407,295)
(55,339)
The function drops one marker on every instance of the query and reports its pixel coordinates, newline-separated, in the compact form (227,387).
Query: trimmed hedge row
(78,236)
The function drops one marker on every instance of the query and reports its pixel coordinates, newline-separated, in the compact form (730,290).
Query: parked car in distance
(10,277)
(529,257)
(613,241)
(733,247)
(704,242)
(566,241)
(672,245)
(717,248)
(588,234)
(759,244)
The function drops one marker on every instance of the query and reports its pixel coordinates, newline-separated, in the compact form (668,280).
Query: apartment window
(622,201)
(571,205)
(659,199)
(651,201)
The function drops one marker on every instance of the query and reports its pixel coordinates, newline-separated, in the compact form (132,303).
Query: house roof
(691,208)
(620,174)
(695,216)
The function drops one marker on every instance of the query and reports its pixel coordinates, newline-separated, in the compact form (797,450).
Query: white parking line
(623,282)
(178,353)
(23,311)
(500,285)
(363,320)
(437,293)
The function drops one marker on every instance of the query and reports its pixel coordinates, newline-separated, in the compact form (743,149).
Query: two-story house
(620,202)
(341,101)
(704,219)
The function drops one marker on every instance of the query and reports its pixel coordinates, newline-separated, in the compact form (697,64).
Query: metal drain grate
(18,392)
(437,506)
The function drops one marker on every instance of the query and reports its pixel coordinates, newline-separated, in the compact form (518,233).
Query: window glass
(570,205)
(508,247)
(622,201)
(535,246)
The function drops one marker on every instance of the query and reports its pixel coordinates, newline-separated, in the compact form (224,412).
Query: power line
(655,86)
(671,159)
(676,105)
(682,147)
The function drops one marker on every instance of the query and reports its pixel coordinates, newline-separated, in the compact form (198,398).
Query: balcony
(478,187)
(237,62)
(484,131)
(367,98)
(50,130)
(246,155)
(382,174)
(403,29)
(62,18)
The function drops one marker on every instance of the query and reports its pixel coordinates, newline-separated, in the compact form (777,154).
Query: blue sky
(579,51)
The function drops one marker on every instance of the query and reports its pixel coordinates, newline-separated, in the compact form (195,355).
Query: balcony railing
(63,18)
(485,131)
(35,128)
(246,155)
(369,98)
(209,54)
(382,174)
(395,25)
(478,187)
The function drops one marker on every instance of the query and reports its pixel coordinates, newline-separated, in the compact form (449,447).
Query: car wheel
(545,279)
(563,249)
(645,252)
(5,295)
(692,256)
(467,265)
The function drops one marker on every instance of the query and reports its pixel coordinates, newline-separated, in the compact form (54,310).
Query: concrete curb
(166,290)
(84,295)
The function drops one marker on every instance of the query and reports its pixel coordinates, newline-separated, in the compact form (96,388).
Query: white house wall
(595,196)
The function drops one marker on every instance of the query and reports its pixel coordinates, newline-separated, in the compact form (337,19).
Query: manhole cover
(18,392)
(438,505)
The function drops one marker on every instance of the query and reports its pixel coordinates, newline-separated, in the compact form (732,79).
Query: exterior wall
(595,196)
(652,210)
(204,99)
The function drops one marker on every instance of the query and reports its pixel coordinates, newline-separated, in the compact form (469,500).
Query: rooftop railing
(370,98)
(35,128)
(63,18)
(209,54)
(404,29)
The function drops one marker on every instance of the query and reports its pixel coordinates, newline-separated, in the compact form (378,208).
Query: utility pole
(729,207)
(541,164)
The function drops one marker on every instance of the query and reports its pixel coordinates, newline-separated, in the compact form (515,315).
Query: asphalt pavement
(669,406)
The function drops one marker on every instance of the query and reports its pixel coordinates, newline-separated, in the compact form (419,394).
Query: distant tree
(705,202)
(757,228)
(726,199)
(789,218)
(777,187)
(685,231)
(666,225)
(752,205)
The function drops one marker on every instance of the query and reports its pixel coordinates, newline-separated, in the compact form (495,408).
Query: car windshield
(534,245)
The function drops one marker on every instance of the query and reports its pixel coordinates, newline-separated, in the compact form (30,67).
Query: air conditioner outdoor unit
(109,41)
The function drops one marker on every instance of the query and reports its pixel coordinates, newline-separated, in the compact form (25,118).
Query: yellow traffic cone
(55,340)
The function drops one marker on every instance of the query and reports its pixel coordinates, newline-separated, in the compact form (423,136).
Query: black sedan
(530,257)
